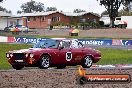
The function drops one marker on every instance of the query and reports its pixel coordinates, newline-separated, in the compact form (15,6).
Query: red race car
(54,52)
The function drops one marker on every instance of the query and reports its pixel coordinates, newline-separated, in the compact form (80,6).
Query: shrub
(101,23)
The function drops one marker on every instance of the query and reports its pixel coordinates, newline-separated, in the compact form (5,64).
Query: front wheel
(87,62)
(44,62)
(17,67)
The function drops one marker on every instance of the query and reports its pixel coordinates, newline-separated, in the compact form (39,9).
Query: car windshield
(47,44)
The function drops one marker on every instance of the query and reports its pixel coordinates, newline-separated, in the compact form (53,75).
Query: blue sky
(64,5)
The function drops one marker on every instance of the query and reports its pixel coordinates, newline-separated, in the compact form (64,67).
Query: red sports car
(54,52)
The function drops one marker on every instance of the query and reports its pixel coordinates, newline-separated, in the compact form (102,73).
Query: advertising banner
(28,40)
(3,39)
(96,41)
(11,39)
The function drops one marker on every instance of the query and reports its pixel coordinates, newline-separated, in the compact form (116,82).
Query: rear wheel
(87,62)
(17,67)
(44,62)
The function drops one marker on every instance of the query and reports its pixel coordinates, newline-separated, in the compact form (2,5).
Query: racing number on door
(68,56)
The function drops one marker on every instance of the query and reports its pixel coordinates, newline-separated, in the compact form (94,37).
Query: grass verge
(115,56)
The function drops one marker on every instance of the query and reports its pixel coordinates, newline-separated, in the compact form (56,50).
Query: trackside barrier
(29,40)
(3,39)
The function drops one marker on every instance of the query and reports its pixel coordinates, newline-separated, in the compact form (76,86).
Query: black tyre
(61,66)
(44,62)
(87,62)
(81,80)
(18,67)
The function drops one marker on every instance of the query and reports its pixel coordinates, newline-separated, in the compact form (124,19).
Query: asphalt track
(94,67)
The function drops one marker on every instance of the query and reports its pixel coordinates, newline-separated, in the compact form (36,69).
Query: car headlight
(31,55)
(7,55)
(11,55)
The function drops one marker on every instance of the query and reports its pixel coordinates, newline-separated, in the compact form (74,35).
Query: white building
(7,19)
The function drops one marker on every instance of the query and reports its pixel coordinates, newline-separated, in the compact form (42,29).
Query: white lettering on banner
(29,40)
(93,42)
(127,43)
(38,40)
(18,40)
(24,40)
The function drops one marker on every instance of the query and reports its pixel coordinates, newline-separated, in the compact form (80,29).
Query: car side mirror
(60,48)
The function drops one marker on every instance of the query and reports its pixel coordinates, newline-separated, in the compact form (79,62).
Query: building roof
(37,13)
(4,14)
(79,14)
(73,14)
(51,12)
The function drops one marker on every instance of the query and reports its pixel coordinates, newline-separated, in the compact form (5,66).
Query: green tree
(78,11)
(112,7)
(126,3)
(5,10)
(124,12)
(104,13)
(32,6)
(51,9)
(19,12)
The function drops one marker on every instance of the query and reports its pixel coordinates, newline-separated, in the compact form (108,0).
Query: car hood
(30,50)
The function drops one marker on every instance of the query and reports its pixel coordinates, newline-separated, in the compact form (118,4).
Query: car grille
(19,56)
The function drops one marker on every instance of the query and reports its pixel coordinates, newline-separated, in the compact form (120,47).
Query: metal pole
(7,21)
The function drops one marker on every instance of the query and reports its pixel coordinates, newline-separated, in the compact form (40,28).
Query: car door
(64,54)
(77,50)
(77,54)
(71,55)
